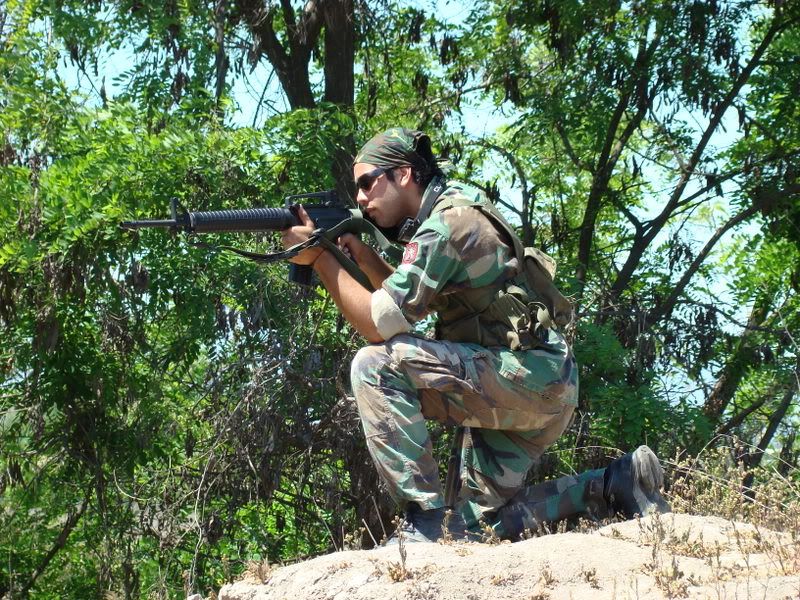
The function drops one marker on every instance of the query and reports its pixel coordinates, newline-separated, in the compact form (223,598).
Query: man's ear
(405,175)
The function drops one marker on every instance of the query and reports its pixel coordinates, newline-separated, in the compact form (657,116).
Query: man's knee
(367,360)
(369,363)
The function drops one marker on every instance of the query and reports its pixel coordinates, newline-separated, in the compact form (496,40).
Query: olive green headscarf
(398,147)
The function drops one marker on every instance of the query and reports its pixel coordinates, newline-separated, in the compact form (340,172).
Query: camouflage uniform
(514,404)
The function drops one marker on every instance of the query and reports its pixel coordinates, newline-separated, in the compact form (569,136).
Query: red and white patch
(410,253)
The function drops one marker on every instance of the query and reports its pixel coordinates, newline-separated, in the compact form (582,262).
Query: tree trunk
(69,525)
(339,52)
(788,458)
(735,369)
(618,134)
(291,56)
(221,61)
(340,85)
(754,458)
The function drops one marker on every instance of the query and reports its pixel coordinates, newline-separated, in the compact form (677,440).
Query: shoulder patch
(410,253)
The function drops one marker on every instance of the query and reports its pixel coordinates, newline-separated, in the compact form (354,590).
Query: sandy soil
(669,556)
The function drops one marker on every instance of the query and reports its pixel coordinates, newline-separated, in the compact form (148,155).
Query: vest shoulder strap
(537,269)
(490,211)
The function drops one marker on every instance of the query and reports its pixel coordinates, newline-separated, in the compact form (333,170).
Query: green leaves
(194,401)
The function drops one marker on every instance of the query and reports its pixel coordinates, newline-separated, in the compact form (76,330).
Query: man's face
(382,200)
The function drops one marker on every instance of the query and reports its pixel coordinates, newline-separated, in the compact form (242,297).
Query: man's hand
(367,259)
(352,298)
(353,247)
(299,234)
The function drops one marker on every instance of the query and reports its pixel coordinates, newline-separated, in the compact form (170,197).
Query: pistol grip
(301,275)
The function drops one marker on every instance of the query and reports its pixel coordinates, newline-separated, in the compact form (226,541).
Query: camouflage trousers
(402,382)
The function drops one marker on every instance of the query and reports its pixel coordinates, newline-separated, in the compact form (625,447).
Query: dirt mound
(669,556)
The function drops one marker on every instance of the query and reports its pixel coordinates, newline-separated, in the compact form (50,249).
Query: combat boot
(455,527)
(632,484)
(427,525)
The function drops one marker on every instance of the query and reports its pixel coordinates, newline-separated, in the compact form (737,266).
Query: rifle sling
(318,238)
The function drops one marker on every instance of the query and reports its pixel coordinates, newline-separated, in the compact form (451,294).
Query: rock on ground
(667,556)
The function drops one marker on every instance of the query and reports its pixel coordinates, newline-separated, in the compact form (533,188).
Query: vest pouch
(466,330)
(539,271)
(507,320)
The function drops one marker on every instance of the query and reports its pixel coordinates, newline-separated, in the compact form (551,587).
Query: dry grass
(590,577)
(764,522)
(711,484)
(397,570)
(546,577)
(761,540)
(258,571)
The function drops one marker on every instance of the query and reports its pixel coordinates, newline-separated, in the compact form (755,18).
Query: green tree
(168,412)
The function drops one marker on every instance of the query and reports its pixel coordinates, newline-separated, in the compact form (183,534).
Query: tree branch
(754,459)
(220,60)
(664,310)
(290,65)
(576,160)
(637,224)
(61,540)
(730,317)
(612,149)
(739,418)
(738,362)
(289,19)
(527,207)
(641,244)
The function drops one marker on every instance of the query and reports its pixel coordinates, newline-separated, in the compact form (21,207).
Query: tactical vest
(514,313)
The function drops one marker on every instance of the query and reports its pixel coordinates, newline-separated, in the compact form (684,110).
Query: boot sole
(648,478)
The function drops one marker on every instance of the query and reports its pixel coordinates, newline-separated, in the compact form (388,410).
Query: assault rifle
(331,217)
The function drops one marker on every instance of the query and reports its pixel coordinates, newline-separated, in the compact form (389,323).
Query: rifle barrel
(149,223)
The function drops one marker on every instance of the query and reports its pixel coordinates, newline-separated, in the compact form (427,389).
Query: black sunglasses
(367,180)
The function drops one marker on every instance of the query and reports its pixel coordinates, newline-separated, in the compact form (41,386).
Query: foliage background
(168,413)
